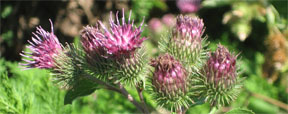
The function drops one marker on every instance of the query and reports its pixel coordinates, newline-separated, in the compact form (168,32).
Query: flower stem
(213,110)
(182,110)
(120,90)
(125,93)
(140,93)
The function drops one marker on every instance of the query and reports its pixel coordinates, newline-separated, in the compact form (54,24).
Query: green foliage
(260,106)
(240,111)
(199,109)
(8,37)
(216,3)
(32,92)
(26,92)
(141,8)
(253,82)
(7,10)
(259,85)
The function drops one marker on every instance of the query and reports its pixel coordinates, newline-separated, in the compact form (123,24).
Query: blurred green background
(257,29)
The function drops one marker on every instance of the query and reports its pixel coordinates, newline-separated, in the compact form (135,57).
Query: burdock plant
(112,57)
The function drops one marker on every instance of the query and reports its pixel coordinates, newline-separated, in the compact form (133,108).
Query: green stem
(130,98)
(120,90)
(213,110)
(140,93)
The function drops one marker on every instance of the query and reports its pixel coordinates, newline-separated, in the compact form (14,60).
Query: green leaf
(7,11)
(8,37)
(82,87)
(160,4)
(262,107)
(239,111)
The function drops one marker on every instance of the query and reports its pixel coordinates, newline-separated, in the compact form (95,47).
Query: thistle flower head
(169,76)
(91,42)
(221,66)
(191,28)
(44,46)
(188,6)
(222,85)
(186,42)
(120,40)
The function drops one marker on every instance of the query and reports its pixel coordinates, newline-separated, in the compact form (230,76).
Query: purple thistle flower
(91,42)
(191,27)
(44,46)
(188,6)
(116,42)
(169,76)
(221,67)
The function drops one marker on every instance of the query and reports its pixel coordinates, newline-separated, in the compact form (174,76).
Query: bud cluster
(116,55)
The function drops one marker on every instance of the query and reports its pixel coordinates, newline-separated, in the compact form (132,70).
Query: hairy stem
(213,110)
(121,90)
(125,93)
(140,93)
(182,110)
(108,86)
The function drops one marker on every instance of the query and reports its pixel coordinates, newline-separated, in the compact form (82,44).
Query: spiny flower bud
(221,66)
(91,42)
(171,85)
(44,46)
(169,76)
(220,75)
(189,31)
(116,42)
(186,43)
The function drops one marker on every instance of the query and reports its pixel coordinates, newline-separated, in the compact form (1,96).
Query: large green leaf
(82,87)
(239,111)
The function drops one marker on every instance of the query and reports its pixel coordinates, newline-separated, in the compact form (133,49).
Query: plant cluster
(112,57)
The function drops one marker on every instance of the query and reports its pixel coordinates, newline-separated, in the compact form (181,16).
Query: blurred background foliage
(257,29)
